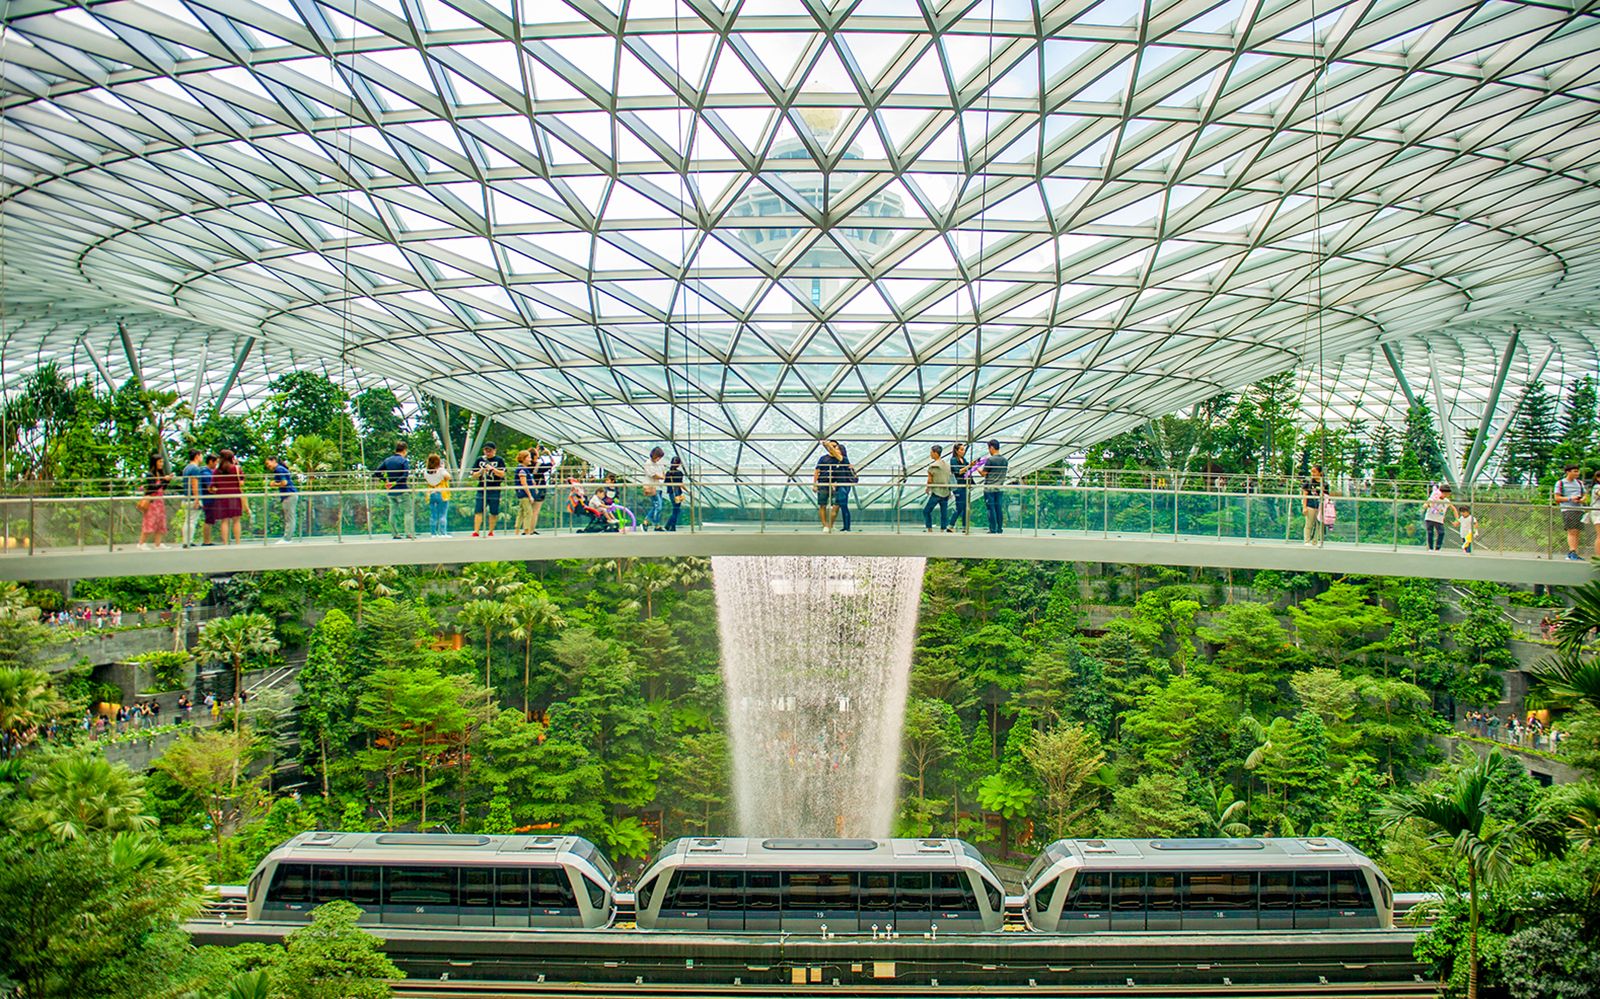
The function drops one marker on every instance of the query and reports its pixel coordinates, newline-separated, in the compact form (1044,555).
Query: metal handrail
(773,502)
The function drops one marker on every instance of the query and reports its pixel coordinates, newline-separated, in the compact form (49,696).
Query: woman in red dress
(228,487)
(153,524)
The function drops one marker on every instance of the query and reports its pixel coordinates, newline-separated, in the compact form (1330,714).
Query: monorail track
(489,990)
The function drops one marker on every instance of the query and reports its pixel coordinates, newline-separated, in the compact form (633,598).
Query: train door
(913,901)
(1163,895)
(1277,900)
(554,905)
(1351,902)
(419,896)
(1219,901)
(1085,910)
(477,897)
(955,904)
(763,899)
(511,896)
(725,898)
(816,899)
(877,900)
(1127,901)
(683,907)
(1311,900)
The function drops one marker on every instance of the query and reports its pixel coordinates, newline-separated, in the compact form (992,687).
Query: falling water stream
(816,656)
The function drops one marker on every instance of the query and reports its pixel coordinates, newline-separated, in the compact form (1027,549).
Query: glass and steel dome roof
(736,227)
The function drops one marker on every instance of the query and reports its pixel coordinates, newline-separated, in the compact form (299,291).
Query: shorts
(209,508)
(1572,520)
(539,495)
(824,496)
(487,498)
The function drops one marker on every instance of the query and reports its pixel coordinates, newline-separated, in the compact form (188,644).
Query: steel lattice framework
(738,226)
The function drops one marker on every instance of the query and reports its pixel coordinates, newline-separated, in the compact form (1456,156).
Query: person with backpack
(1434,509)
(1312,492)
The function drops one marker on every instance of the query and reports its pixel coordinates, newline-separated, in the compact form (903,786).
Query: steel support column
(233,373)
(99,365)
(1412,400)
(1447,433)
(1473,464)
(132,355)
(1534,374)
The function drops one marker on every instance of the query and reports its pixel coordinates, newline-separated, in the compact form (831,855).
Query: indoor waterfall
(816,658)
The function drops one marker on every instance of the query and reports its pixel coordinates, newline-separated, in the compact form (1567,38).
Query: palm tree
(26,699)
(1223,812)
(484,614)
(530,612)
(492,579)
(233,640)
(1568,675)
(1455,817)
(81,794)
(365,581)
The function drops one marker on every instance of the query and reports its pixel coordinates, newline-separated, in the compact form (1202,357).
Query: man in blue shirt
(994,480)
(283,481)
(208,502)
(394,471)
(193,492)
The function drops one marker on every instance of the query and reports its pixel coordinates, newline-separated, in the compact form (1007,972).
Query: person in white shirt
(1467,524)
(1569,492)
(655,477)
(938,491)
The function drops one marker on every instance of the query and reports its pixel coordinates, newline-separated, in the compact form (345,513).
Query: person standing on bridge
(844,478)
(961,471)
(228,485)
(490,471)
(937,490)
(1312,492)
(822,478)
(437,475)
(288,495)
(193,497)
(393,471)
(994,493)
(522,486)
(676,492)
(1433,516)
(654,479)
(154,504)
(1569,493)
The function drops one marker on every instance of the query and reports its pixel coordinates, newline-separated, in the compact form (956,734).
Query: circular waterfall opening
(816,655)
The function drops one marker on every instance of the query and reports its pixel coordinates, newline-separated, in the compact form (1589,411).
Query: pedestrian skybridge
(60,537)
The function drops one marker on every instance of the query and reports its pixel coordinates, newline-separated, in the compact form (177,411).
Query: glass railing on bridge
(764,503)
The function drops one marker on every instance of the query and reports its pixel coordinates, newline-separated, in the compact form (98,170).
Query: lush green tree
(699,774)
(96,916)
(529,614)
(214,767)
(1224,813)
(27,699)
(365,581)
(327,692)
(1423,444)
(1251,648)
(79,795)
(1065,761)
(411,713)
(333,958)
(234,641)
(1531,444)
(1155,806)
(1173,725)
(1340,623)
(1456,816)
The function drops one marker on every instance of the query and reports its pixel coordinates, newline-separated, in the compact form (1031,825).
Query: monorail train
(1216,885)
(431,879)
(741,885)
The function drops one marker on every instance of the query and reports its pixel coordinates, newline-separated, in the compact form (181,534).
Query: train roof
(1146,854)
(343,847)
(851,854)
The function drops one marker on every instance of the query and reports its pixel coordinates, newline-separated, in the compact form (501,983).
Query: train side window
(1161,892)
(1127,891)
(419,886)
(327,883)
(597,893)
(511,887)
(552,889)
(1277,890)
(291,883)
(913,891)
(762,892)
(363,884)
(477,887)
(643,894)
(727,889)
(255,886)
(997,898)
(1350,890)
(1089,892)
(877,891)
(1042,897)
(952,892)
(1311,889)
(1208,890)
(686,890)
(819,890)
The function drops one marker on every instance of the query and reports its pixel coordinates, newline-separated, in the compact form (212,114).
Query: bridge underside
(1063,546)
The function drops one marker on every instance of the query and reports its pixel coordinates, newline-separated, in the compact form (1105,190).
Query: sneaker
(144,548)
(1574,557)
(474,533)
(284,541)
(491,534)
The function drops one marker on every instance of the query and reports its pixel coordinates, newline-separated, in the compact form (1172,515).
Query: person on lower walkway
(288,496)
(994,494)
(1312,492)
(1438,504)
(937,491)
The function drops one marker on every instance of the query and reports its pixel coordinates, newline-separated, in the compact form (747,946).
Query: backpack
(1329,513)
